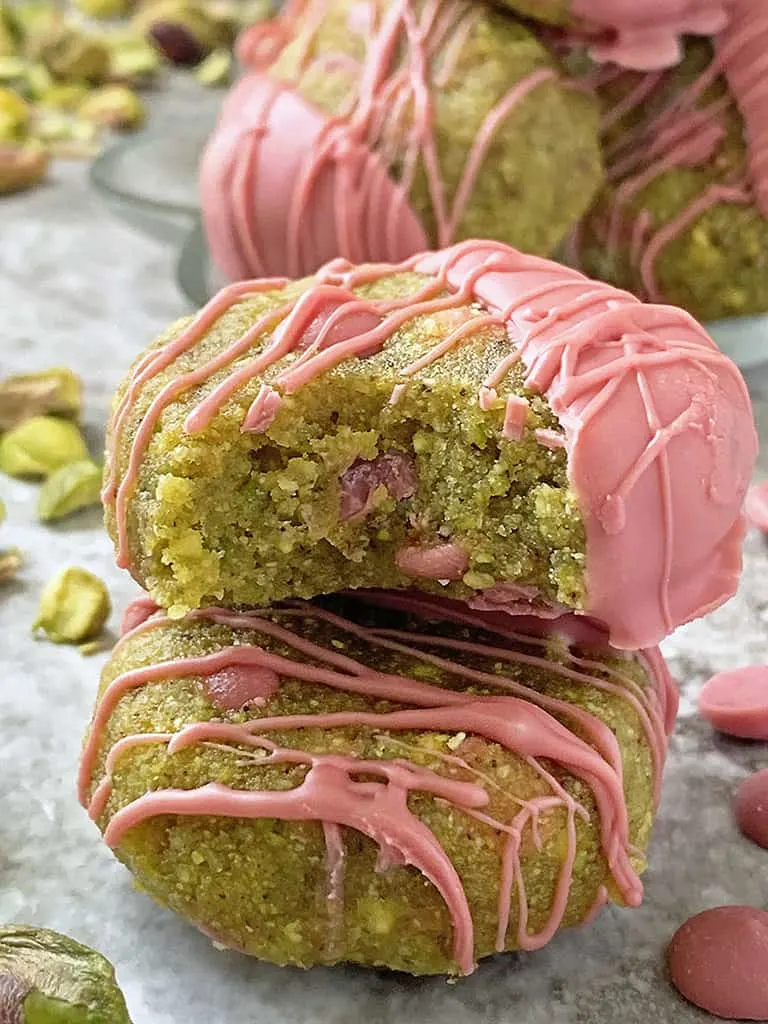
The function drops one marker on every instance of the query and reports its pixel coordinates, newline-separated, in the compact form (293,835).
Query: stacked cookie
(375,130)
(415,529)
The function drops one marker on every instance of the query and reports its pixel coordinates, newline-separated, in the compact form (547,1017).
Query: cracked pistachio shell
(40,445)
(47,978)
(74,607)
(68,490)
(56,391)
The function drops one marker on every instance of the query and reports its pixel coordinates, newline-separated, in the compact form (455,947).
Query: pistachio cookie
(384,779)
(472,422)
(374,131)
(684,216)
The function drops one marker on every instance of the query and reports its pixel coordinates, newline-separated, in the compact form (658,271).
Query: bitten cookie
(473,422)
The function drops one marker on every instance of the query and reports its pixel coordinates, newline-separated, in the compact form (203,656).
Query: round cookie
(473,422)
(387,780)
(684,217)
(379,130)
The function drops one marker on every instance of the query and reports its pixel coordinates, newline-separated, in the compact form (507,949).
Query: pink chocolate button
(751,809)
(736,702)
(718,960)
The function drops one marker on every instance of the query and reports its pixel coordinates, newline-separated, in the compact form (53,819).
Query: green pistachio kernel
(13,70)
(69,54)
(104,9)
(216,69)
(37,80)
(113,106)
(55,392)
(40,445)
(74,607)
(47,978)
(68,490)
(64,96)
(14,116)
(133,60)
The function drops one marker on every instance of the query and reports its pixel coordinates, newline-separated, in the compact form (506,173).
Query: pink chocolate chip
(751,809)
(718,960)
(444,562)
(394,470)
(238,685)
(736,702)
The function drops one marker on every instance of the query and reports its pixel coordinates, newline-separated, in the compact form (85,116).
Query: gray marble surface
(79,288)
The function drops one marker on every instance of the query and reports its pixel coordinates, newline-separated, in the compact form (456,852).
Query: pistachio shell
(56,391)
(46,977)
(74,607)
(40,445)
(68,490)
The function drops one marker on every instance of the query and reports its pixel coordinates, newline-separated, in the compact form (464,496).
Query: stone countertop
(80,289)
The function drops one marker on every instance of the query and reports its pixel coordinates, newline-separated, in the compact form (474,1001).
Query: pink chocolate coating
(751,807)
(718,961)
(756,506)
(736,702)
(657,421)
(517,717)
(646,34)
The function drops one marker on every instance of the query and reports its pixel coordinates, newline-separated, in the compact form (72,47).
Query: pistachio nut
(47,977)
(133,61)
(69,54)
(14,116)
(40,445)
(22,165)
(216,69)
(37,80)
(8,42)
(36,18)
(56,392)
(13,71)
(64,96)
(104,9)
(11,561)
(180,29)
(68,490)
(74,607)
(113,106)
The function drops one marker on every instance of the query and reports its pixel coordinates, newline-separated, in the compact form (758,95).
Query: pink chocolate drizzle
(657,422)
(332,792)
(286,187)
(736,702)
(678,133)
(718,958)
